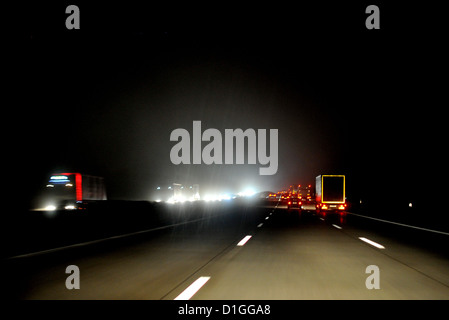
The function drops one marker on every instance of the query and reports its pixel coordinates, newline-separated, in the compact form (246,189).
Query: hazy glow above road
(247,193)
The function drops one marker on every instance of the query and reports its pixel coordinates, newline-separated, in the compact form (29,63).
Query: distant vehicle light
(69,185)
(225,197)
(70,207)
(50,208)
(58,178)
(247,193)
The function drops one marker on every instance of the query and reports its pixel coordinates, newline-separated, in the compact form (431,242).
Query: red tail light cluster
(340,207)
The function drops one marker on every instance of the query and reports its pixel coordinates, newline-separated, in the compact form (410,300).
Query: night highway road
(287,257)
(167,153)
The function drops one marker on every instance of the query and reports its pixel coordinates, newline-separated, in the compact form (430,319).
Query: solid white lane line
(244,240)
(338,227)
(192,289)
(375,244)
(400,224)
(259,225)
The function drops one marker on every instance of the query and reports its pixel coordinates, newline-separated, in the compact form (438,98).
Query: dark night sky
(104,101)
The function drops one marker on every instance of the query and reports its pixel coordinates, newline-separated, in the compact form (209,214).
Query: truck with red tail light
(72,191)
(330,193)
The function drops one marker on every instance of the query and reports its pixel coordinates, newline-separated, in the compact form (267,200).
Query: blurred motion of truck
(330,193)
(72,191)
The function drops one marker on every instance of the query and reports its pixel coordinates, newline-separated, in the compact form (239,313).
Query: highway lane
(287,257)
(144,265)
(312,259)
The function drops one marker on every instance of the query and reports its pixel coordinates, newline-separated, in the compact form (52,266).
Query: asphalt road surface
(288,256)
